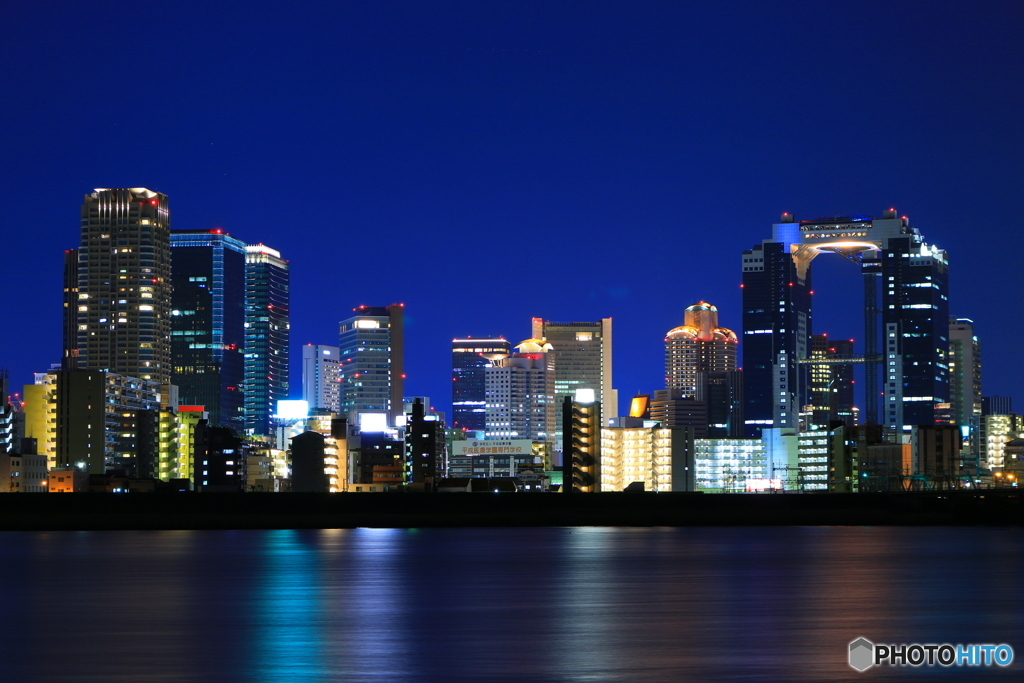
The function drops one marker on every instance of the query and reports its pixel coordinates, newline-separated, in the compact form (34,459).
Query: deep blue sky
(486,162)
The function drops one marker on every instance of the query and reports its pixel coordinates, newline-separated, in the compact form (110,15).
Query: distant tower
(321,377)
(267,333)
(470,357)
(208,323)
(372,365)
(698,346)
(520,392)
(583,358)
(123,321)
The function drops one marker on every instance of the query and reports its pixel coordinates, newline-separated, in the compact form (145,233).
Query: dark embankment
(88,511)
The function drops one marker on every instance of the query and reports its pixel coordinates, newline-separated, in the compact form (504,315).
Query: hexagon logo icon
(862,654)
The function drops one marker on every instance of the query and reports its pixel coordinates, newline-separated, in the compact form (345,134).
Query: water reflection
(584,604)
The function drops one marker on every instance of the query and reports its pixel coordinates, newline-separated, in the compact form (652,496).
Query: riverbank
(94,511)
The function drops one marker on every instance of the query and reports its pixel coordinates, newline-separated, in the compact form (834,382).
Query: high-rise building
(267,325)
(699,345)
(581,425)
(372,360)
(122,321)
(208,323)
(583,358)
(470,357)
(830,389)
(911,310)
(321,377)
(520,394)
(965,383)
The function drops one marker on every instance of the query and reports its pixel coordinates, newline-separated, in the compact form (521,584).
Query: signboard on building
(505,447)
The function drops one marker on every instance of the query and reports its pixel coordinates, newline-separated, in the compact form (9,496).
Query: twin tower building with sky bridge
(906,320)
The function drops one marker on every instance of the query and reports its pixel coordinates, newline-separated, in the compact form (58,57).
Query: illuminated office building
(583,358)
(697,346)
(906,307)
(208,323)
(267,333)
(520,394)
(470,357)
(830,391)
(371,346)
(123,294)
(965,384)
(321,377)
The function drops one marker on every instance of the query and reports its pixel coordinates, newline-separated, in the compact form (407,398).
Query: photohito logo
(864,654)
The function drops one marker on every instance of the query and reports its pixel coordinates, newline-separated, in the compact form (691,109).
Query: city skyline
(587,164)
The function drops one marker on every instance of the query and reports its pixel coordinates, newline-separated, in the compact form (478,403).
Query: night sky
(487,162)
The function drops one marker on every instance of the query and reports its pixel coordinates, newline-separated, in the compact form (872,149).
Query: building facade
(470,357)
(697,346)
(371,347)
(267,334)
(122,317)
(520,394)
(906,306)
(208,323)
(321,377)
(583,358)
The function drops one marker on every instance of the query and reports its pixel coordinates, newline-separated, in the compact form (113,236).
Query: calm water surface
(580,604)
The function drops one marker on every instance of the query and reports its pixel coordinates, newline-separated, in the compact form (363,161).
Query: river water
(530,604)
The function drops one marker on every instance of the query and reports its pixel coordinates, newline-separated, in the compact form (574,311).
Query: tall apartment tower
(698,346)
(321,377)
(123,317)
(371,345)
(520,393)
(267,330)
(470,357)
(208,323)
(906,297)
(583,358)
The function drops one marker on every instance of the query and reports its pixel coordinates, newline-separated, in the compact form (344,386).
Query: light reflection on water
(581,604)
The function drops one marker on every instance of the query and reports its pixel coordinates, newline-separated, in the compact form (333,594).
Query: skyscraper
(911,310)
(470,357)
(372,360)
(124,285)
(208,323)
(266,335)
(830,392)
(965,382)
(698,346)
(583,358)
(321,377)
(520,394)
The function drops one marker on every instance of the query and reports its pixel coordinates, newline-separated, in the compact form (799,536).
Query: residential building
(122,322)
